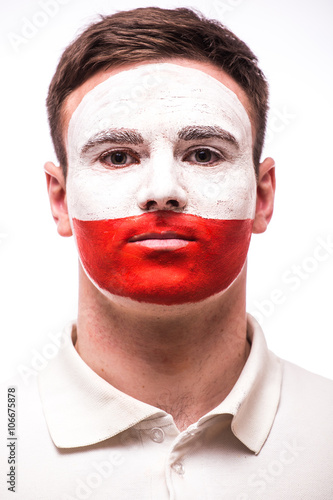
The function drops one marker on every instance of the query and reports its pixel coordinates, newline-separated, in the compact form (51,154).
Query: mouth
(164,240)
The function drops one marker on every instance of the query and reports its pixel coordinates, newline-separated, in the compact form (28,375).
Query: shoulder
(305,411)
(304,389)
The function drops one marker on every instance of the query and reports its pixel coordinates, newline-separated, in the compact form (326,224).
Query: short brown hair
(154,33)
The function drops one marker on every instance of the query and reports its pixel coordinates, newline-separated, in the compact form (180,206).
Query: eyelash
(218,157)
(124,151)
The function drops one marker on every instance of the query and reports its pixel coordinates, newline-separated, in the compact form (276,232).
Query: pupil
(204,155)
(118,158)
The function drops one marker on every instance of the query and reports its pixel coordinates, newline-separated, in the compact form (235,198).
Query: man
(164,387)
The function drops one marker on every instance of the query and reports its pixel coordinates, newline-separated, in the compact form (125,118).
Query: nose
(161,188)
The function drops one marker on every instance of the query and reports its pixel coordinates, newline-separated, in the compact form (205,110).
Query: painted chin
(163,257)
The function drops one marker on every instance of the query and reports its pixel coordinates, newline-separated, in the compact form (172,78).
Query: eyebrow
(206,132)
(116,136)
(131,136)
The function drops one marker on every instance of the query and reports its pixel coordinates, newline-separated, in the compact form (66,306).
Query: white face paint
(161,186)
(158,102)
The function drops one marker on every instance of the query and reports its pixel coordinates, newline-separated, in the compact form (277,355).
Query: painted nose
(161,189)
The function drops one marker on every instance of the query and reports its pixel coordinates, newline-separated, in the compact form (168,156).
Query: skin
(183,359)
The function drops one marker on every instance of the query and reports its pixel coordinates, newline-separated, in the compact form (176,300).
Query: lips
(162,241)
(159,225)
(163,257)
(163,235)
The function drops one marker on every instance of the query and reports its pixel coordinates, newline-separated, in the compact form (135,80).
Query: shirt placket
(177,463)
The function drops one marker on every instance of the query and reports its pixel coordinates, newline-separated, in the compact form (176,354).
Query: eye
(203,156)
(118,158)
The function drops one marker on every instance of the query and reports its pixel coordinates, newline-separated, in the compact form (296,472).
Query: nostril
(150,204)
(173,203)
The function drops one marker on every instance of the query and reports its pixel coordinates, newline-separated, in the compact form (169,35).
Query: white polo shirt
(80,438)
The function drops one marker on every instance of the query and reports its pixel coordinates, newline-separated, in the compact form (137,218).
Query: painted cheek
(105,214)
(209,263)
(101,196)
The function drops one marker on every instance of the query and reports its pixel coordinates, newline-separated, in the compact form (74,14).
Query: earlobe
(265,195)
(56,187)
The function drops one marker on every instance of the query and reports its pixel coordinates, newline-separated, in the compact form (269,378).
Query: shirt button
(178,468)
(157,435)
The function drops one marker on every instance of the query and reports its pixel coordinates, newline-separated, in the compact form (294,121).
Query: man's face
(161,187)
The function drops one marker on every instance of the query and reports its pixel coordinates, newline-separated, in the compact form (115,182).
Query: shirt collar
(255,397)
(82,409)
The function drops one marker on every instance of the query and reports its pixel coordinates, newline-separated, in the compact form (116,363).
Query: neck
(181,359)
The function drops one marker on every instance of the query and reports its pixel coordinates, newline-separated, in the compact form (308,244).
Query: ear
(56,187)
(265,195)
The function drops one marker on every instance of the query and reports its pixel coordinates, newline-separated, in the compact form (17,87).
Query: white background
(38,269)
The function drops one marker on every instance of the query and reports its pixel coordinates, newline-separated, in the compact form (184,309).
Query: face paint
(161,187)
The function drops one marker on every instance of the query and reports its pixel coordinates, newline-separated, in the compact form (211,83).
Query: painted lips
(163,257)
(164,240)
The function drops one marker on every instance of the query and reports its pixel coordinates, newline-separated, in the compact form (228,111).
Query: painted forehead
(143,95)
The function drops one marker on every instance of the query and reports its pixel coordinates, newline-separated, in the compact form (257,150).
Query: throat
(181,407)
(184,361)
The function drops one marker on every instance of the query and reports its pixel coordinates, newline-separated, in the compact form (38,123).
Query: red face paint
(210,256)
